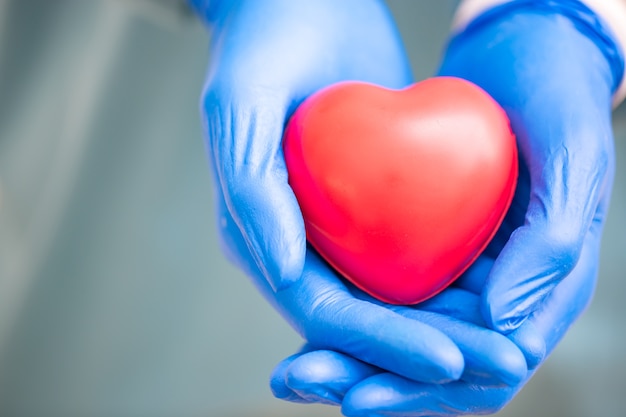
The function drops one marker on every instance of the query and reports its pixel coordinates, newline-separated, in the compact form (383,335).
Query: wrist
(608,27)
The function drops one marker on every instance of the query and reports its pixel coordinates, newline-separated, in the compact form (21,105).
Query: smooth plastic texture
(555,80)
(401,190)
(266,58)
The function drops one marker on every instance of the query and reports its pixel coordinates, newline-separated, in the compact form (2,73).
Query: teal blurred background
(114,297)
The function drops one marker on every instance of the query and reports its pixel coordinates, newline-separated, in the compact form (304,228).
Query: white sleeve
(612,11)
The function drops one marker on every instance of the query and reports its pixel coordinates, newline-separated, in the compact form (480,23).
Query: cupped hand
(265,58)
(553,67)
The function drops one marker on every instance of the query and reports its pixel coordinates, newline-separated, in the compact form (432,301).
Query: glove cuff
(603,20)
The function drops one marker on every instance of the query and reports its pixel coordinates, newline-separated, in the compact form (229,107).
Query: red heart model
(401,189)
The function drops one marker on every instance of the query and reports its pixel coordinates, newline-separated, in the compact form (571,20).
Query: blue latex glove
(267,56)
(553,68)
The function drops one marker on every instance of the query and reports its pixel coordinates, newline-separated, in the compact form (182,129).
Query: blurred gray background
(114,297)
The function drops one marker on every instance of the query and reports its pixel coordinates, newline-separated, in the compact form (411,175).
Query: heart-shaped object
(401,189)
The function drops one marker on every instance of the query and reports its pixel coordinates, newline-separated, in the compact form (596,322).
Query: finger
(244,139)
(570,298)
(566,183)
(391,395)
(278,381)
(327,315)
(324,376)
(531,342)
(456,303)
(490,358)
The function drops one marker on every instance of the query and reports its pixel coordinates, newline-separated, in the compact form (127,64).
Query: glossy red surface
(401,189)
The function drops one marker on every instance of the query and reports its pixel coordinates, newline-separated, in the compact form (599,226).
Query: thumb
(569,189)
(244,140)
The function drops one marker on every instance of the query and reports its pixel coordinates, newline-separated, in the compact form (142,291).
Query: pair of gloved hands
(549,64)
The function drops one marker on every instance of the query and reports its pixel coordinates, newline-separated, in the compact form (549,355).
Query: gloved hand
(553,68)
(266,58)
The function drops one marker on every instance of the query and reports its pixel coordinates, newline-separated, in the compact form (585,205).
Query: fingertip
(493,360)
(290,266)
(364,400)
(278,385)
(281,391)
(445,364)
(271,223)
(454,364)
(282,263)
(441,360)
(278,281)
(533,262)
(531,343)
(510,366)
(380,393)
(314,368)
(325,376)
